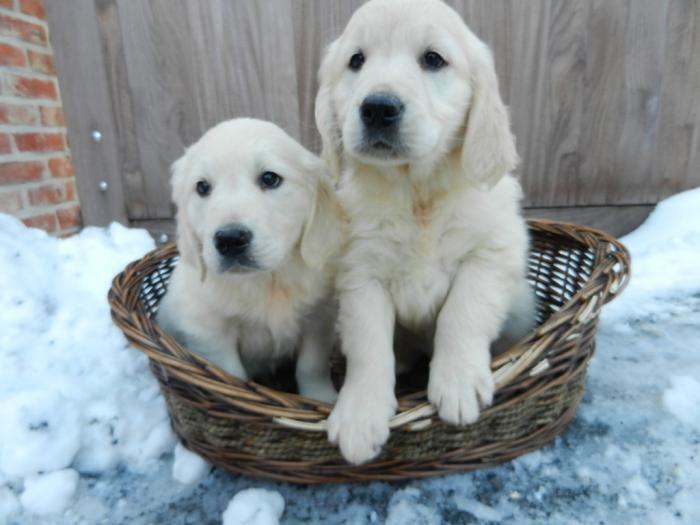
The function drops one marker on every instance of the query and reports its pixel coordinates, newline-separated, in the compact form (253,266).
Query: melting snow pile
(666,262)
(84,436)
(254,507)
(188,467)
(73,397)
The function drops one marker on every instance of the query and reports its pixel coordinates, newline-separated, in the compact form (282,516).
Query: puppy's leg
(359,422)
(313,370)
(194,325)
(221,349)
(217,341)
(475,309)
(521,318)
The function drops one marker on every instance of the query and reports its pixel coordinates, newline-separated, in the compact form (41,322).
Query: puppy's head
(407,82)
(248,196)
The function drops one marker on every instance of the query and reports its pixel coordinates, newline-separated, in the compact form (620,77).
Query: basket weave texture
(249,428)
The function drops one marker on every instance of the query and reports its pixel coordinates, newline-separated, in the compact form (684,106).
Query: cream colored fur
(436,240)
(245,322)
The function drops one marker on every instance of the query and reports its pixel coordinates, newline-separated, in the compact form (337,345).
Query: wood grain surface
(603,93)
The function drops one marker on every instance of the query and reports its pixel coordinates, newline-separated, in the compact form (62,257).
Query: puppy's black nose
(381,110)
(232,240)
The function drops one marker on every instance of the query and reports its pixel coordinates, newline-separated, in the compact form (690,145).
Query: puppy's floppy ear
(324,230)
(188,244)
(326,118)
(488,150)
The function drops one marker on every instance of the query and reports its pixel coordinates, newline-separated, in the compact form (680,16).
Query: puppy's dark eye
(203,188)
(270,180)
(356,61)
(432,61)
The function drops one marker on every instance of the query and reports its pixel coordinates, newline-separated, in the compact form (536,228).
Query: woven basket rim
(608,279)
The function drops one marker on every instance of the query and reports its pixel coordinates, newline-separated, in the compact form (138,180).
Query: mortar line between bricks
(23,192)
(12,188)
(35,184)
(29,73)
(34,211)
(33,108)
(25,156)
(26,213)
(41,101)
(27,46)
(31,128)
(25,101)
(25,18)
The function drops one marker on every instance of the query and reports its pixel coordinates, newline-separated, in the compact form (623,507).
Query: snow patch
(254,507)
(9,504)
(664,253)
(404,507)
(68,379)
(49,493)
(188,467)
(478,510)
(683,400)
(70,384)
(40,431)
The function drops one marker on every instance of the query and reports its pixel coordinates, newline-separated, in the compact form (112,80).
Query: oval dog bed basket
(248,428)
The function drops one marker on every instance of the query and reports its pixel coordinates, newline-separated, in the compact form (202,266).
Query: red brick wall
(36,177)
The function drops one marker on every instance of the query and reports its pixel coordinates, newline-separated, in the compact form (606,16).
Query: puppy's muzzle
(233,242)
(381,111)
(381,115)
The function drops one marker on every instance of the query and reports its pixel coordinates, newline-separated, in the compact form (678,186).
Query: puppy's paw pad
(457,395)
(360,426)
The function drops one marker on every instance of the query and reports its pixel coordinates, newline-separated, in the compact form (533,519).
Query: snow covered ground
(84,436)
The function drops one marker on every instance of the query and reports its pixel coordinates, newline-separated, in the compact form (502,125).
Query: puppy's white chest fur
(269,313)
(422,270)
(415,248)
(269,319)
(264,314)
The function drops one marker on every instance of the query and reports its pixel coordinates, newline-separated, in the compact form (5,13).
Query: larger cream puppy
(412,122)
(258,225)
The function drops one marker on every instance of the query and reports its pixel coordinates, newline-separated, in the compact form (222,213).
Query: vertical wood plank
(316,24)
(676,158)
(86,101)
(527,91)
(603,93)
(604,101)
(492,22)
(191,65)
(554,179)
(117,80)
(156,87)
(517,34)
(644,51)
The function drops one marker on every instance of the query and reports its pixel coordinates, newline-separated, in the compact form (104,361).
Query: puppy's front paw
(457,391)
(359,423)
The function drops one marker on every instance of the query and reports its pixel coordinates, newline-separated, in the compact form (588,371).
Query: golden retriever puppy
(412,122)
(257,225)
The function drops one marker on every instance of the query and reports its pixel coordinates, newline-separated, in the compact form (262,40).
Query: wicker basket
(249,428)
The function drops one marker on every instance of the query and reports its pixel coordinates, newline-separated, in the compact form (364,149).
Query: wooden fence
(604,94)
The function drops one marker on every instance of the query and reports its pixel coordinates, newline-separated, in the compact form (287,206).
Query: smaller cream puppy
(257,226)
(412,122)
